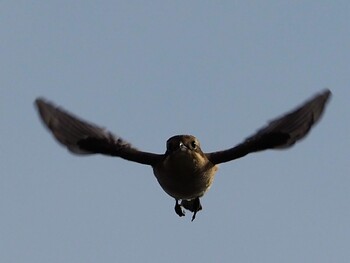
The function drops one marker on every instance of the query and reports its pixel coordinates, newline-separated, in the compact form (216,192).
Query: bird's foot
(197,207)
(193,205)
(178,209)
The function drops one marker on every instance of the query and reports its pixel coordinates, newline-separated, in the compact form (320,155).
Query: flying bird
(184,171)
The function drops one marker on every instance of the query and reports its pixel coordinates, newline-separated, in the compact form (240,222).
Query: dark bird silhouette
(183,171)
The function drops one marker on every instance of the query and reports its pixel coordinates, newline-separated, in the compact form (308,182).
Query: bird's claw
(178,209)
(193,205)
(196,207)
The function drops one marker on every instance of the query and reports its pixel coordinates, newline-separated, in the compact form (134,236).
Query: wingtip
(327,93)
(39,102)
(322,97)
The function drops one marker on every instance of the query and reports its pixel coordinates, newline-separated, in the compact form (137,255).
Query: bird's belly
(185,184)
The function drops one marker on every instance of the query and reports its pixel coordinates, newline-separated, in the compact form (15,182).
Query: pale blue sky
(148,70)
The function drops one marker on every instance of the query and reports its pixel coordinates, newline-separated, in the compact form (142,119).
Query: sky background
(148,70)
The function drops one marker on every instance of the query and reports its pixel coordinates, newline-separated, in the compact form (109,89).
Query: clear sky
(148,70)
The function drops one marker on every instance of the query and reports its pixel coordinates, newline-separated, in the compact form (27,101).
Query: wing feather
(82,137)
(280,133)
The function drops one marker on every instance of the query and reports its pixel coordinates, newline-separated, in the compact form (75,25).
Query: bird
(184,171)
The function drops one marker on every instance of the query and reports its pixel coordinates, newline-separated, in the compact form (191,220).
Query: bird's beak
(183,147)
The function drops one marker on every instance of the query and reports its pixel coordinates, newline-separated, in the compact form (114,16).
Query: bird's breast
(185,175)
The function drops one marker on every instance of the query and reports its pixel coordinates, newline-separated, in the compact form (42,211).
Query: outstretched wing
(280,133)
(81,137)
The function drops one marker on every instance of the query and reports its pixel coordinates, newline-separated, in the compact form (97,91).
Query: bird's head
(183,143)
(185,149)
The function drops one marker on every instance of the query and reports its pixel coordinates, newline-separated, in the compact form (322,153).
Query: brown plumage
(183,171)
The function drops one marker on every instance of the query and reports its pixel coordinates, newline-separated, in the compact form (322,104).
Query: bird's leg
(196,207)
(178,209)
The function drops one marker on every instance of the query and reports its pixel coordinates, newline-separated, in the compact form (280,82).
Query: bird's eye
(194,145)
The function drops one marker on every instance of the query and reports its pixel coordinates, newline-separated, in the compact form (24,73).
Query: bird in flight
(184,171)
